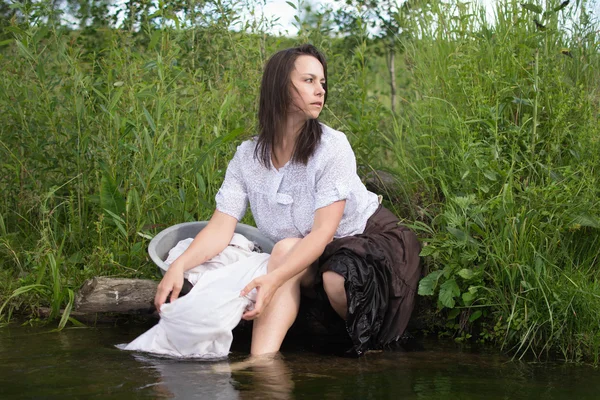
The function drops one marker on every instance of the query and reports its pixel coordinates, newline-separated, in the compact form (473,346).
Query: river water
(84,363)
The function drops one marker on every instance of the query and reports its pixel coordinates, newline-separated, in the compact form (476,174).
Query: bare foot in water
(263,360)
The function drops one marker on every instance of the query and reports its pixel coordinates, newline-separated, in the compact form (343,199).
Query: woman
(299,177)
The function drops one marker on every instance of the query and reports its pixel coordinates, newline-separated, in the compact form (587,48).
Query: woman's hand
(266,286)
(172,283)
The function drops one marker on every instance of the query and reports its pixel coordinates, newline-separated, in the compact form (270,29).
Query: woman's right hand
(209,242)
(172,283)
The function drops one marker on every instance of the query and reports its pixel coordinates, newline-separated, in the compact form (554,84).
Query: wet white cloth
(199,324)
(224,258)
(284,201)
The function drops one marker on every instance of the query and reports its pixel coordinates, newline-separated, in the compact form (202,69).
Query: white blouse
(284,201)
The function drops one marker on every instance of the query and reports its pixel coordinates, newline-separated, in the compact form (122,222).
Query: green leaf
(453,313)
(114,216)
(24,50)
(475,316)
(427,251)
(561,6)
(154,39)
(3,230)
(145,235)
(449,270)
(586,219)
(291,5)
(448,291)
(210,149)
(40,34)
(67,312)
(77,323)
(457,233)
(155,170)
(532,7)
(110,197)
(115,98)
(118,221)
(491,175)
(132,204)
(6,42)
(526,102)
(16,30)
(428,284)
(41,71)
(466,273)
(468,298)
(150,120)
(539,266)
(99,93)
(201,184)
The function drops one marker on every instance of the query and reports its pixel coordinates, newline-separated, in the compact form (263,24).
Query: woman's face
(307,91)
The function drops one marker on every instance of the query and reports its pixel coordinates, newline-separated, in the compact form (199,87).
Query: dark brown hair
(275,102)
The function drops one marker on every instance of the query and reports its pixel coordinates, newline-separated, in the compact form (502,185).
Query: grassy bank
(107,136)
(502,138)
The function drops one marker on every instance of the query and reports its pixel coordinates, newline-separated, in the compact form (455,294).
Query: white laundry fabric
(226,257)
(199,324)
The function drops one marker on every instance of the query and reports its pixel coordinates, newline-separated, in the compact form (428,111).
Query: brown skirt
(381,268)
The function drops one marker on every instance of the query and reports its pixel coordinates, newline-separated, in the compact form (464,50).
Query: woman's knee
(280,251)
(333,283)
(336,292)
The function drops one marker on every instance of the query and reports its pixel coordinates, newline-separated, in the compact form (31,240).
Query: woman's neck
(292,128)
(283,150)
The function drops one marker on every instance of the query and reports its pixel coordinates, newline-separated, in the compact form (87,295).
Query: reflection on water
(35,363)
(189,379)
(263,375)
(229,379)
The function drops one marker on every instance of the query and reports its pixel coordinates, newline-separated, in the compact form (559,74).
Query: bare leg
(333,284)
(270,328)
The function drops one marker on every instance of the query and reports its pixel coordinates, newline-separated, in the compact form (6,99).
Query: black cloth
(381,269)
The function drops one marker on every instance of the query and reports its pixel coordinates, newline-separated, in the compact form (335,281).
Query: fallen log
(116,295)
(104,300)
(103,318)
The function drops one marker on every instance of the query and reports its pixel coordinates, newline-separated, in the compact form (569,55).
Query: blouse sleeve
(332,181)
(232,197)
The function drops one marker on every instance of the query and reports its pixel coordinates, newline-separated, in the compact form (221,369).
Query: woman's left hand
(266,286)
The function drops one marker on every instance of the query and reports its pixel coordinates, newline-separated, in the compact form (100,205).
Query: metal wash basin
(159,246)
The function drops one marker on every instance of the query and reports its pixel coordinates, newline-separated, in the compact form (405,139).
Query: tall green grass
(499,142)
(107,136)
(105,145)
